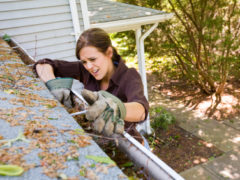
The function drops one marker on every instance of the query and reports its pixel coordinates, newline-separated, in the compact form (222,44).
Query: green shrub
(161,118)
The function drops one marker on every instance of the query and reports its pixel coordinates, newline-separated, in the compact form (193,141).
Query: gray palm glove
(60,88)
(106,110)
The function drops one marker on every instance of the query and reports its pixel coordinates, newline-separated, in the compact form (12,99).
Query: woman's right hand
(45,72)
(106,111)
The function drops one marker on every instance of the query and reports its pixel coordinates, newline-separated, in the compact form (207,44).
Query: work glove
(106,111)
(60,88)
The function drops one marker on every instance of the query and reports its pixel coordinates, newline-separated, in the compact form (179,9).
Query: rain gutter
(24,55)
(141,156)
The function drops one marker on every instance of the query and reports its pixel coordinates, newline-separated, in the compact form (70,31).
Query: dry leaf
(91,175)
(101,168)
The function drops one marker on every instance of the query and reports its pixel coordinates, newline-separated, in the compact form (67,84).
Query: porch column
(85,16)
(145,127)
(75,19)
(141,59)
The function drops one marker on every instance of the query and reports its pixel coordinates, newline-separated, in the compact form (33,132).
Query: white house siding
(43,28)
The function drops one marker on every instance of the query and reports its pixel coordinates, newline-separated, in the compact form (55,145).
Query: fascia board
(131,24)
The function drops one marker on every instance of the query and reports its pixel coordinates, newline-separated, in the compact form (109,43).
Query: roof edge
(131,24)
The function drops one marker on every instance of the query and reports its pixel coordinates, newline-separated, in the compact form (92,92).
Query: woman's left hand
(106,110)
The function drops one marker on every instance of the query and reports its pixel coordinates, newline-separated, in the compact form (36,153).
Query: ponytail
(116,57)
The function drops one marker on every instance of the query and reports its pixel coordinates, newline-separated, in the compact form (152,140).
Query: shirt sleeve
(63,68)
(134,89)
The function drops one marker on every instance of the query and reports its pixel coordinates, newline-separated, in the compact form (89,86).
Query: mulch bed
(180,149)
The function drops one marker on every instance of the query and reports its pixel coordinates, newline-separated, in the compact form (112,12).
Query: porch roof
(116,16)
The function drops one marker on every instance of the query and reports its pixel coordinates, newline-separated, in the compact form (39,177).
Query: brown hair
(97,38)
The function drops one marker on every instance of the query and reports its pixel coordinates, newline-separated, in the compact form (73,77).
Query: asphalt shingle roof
(101,11)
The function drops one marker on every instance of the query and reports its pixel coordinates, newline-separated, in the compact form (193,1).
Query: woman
(101,68)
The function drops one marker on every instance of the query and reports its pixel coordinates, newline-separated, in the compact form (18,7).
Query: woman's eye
(83,62)
(89,60)
(92,59)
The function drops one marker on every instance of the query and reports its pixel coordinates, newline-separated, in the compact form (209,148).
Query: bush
(161,118)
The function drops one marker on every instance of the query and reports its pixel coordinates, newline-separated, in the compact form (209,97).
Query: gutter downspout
(145,126)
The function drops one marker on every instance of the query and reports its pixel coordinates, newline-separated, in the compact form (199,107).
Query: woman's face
(97,63)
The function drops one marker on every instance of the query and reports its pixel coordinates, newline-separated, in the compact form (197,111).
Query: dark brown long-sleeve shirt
(125,83)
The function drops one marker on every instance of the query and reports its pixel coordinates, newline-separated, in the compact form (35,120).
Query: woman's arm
(135,112)
(61,68)
(45,72)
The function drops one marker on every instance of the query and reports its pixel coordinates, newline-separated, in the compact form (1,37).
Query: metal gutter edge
(24,55)
(142,157)
(130,24)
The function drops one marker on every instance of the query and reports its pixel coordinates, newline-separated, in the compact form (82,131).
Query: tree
(203,38)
